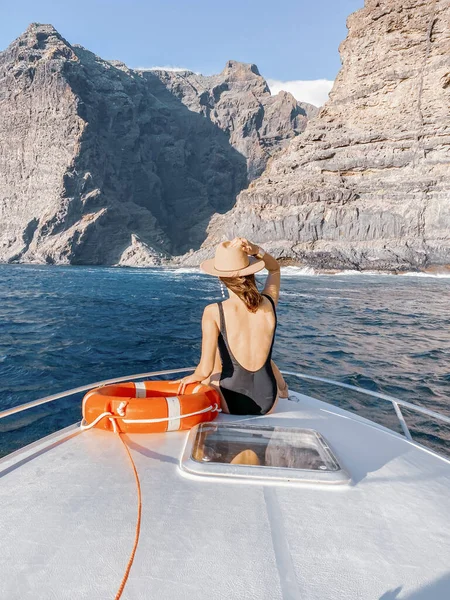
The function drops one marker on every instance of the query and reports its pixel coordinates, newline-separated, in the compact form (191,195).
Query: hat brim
(256,264)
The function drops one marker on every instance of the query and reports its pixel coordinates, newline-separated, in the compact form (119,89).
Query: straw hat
(231,262)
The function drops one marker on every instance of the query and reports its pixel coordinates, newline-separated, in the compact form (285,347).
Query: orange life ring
(149,407)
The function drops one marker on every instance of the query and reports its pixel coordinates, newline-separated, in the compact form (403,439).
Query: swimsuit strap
(272,303)
(269,356)
(223,331)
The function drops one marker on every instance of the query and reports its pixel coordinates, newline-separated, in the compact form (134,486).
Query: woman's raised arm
(273,281)
(272,285)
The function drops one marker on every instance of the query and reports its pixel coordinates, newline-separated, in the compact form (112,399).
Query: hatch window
(223,449)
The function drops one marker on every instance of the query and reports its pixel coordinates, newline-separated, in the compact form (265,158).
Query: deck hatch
(261,452)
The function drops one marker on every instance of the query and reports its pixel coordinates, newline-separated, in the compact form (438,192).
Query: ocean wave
(298,271)
(309,271)
(353,272)
(287,271)
(422,274)
(296,294)
(180,270)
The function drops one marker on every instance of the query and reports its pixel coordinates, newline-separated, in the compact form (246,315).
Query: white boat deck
(68,512)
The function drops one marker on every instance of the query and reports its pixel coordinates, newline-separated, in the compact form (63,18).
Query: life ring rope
(121,415)
(138,518)
(85,426)
(213,408)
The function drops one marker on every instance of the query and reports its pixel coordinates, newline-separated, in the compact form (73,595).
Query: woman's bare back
(249,334)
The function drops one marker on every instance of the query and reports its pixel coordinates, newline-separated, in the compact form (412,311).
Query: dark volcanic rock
(100,164)
(238,101)
(367,185)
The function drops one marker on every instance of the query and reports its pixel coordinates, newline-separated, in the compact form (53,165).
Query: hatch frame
(262,473)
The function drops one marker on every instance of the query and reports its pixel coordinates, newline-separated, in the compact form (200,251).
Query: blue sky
(289,40)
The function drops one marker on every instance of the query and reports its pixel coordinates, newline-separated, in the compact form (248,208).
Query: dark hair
(245,288)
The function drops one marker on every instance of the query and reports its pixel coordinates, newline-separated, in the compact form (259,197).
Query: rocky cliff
(100,164)
(367,185)
(239,102)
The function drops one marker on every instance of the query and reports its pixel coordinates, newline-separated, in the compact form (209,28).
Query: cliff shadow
(215,171)
(161,169)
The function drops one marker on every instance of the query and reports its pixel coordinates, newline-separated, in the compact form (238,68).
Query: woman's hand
(246,246)
(185,380)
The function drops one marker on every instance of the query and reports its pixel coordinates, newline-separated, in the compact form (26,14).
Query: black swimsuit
(246,392)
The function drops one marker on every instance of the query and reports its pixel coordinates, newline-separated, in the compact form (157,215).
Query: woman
(238,333)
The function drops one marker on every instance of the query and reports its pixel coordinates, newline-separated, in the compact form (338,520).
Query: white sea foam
(309,271)
(353,272)
(180,270)
(298,271)
(421,274)
(391,274)
(290,271)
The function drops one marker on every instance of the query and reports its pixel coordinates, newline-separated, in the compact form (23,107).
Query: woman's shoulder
(269,298)
(211,310)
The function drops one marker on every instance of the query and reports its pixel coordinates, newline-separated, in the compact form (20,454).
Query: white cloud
(314,91)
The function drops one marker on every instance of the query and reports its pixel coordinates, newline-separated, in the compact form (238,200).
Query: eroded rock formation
(100,164)
(238,101)
(367,185)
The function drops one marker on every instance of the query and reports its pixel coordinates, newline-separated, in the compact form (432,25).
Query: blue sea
(63,327)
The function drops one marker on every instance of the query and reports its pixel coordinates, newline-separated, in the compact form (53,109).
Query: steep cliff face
(55,201)
(100,164)
(238,101)
(367,185)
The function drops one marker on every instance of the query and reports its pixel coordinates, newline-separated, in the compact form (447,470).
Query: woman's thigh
(274,405)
